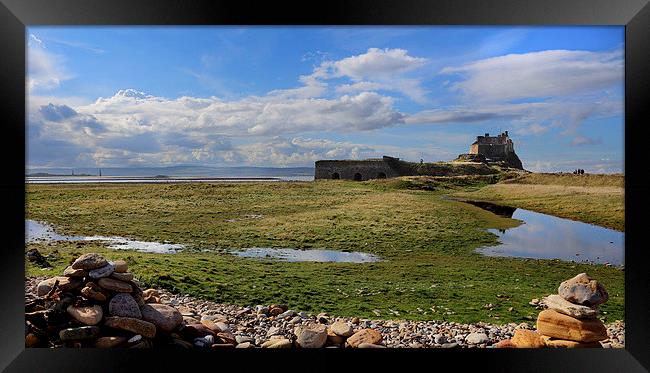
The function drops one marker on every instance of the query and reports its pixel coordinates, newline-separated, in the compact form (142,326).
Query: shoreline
(250,326)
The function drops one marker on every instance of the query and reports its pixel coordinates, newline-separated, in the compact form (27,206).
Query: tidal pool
(37,231)
(544,236)
(317,255)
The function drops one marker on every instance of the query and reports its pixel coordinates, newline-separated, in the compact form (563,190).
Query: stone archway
(358,177)
(336,176)
(381,175)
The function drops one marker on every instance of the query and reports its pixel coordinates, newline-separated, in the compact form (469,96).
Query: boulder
(115,285)
(583,290)
(311,336)
(561,305)
(364,336)
(557,325)
(90,315)
(165,317)
(524,338)
(137,326)
(89,261)
(123,304)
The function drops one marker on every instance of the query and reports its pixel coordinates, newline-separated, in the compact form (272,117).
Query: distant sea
(188,173)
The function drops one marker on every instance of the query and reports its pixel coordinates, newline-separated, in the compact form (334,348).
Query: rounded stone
(65,284)
(89,261)
(115,285)
(90,315)
(104,271)
(109,342)
(370,336)
(71,272)
(476,338)
(79,334)
(165,317)
(94,291)
(122,276)
(342,329)
(123,304)
(524,338)
(130,324)
(583,290)
(311,336)
(120,266)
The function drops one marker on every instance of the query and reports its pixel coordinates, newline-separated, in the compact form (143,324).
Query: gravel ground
(250,324)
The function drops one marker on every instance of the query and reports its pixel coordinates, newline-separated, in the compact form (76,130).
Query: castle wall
(368,169)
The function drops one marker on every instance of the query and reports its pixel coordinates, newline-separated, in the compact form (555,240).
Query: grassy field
(595,199)
(430,270)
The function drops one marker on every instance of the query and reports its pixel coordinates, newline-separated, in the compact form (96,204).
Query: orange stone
(364,336)
(561,343)
(525,338)
(506,343)
(554,324)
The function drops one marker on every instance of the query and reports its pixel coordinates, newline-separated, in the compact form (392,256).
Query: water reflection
(548,237)
(293,255)
(37,231)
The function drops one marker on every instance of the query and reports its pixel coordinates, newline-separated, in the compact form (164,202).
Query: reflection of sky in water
(293,255)
(550,237)
(42,232)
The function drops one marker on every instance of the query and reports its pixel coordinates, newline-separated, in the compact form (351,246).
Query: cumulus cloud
(538,74)
(133,127)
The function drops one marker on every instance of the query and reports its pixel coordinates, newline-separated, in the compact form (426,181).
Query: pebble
(476,338)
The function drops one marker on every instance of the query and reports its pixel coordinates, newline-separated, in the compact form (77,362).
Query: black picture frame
(15,15)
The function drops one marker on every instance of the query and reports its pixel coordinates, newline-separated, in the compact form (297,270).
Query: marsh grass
(427,243)
(595,199)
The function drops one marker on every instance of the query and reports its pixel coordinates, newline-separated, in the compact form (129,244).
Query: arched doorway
(381,175)
(357,177)
(336,176)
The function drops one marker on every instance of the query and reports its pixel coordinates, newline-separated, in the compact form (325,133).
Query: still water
(544,236)
(36,231)
(293,255)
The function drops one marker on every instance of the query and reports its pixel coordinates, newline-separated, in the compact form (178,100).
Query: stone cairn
(97,303)
(569,320)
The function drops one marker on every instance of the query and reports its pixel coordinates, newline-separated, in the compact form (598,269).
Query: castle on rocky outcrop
(485,151)
(493,149)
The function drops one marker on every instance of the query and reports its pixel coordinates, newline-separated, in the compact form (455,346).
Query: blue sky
(288,96)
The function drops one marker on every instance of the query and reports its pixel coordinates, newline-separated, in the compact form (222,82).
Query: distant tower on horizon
(100,172)
(73,172)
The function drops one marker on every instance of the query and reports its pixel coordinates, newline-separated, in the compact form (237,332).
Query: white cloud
(44,69)
(585,140)
(538,74)
(375,63)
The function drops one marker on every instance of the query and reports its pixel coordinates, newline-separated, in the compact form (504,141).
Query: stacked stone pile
(97,303)
(569,320)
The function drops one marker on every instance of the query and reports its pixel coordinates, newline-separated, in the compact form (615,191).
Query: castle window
(336,176)
(381,175)
(357,177)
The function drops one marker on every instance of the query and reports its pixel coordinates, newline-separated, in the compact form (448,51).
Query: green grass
(427,242)
(595,199)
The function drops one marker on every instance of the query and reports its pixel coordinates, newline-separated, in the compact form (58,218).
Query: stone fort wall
(356,170)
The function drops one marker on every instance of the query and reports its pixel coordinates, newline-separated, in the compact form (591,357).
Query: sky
(289,96)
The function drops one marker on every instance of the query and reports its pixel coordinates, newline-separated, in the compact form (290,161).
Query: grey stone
(89,261)
(583,290)
(123,304)
(79,334)
(561,305)
(476,338)
(101,272)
